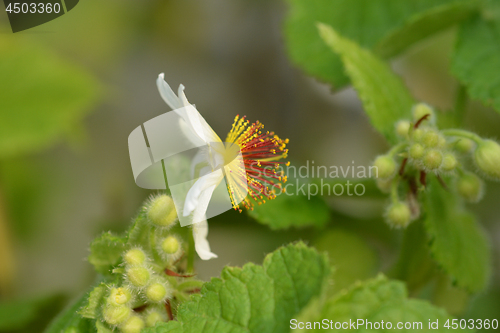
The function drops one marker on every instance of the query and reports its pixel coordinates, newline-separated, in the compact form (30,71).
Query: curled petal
(200,193)
(200,232)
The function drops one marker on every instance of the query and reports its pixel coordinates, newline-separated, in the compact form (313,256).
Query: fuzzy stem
(463,134)
(397,148)
(394,190)
(190,255)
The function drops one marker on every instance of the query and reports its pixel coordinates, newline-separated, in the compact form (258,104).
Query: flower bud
(464,146)
(487,157)
(133,325)
(384,185)
(119,296)
(403,128)
(115,315)
(386,166)
(416,151)
(170,245)
(153,316)
(138,276)
(430,139)
(398,215)
(449,162)
(134,257)
(433,159)
(417,135)
(422,109)
(470,187)
(162,211)
(157,292)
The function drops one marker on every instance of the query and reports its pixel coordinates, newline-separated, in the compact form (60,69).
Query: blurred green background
(73,89)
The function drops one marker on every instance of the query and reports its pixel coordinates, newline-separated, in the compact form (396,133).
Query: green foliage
(70,321)
(95,298)
(29,314)
(105,252)
(292,211)
(255,298)
(385,98)
(374,300)
(371,23)
(476,55)
(457,242)
(43,96)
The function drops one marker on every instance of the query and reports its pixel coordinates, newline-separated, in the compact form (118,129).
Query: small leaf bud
(464,146)
(470,187)
(170,245)
(416,151)
(386,166)
(403,128)
(162,211)
(119,296)
(115,315)
(133,325)
(138,276)
(449,162)
(433,159)
(134,257)
(157,292)
(422,109)
(398,215)
(155,315)
(487,158)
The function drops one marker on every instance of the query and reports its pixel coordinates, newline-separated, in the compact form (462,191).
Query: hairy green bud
(433,159)
(119,296)
(487,158)
(138,276)
(403,128)
(470,187)
(420,110)
(386,166)
(154,316)
(170,245)
(416,151)
(162,211)
(464,146)
(417,135)
(115,315)
(398,215)
(133,325)
(431,139)
(449,162)
(134,257)
(156,292)
(384,185)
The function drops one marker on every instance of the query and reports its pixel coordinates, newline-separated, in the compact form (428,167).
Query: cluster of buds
(146,280)
(424,150)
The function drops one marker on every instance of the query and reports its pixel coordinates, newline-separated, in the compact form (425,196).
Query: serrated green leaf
(293,210)
(350,255)
(385,98)
(43,96)
(373,301)
(367,22)
(476,58)
(458,244)
(254,298)
(70,321)
(95,300)
(106,252)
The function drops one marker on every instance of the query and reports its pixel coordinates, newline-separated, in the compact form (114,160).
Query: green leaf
(458,244)
(350,255)
(70,321)
(373,301)
(368,22)
(43,97)
(424,24)
(384,96)
(106,252)
(294,210)
(476,58)
(23,315)
(95,300)
(255,298)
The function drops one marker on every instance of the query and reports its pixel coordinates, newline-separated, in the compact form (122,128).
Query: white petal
(208,182)
(167,93)
(200,232)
